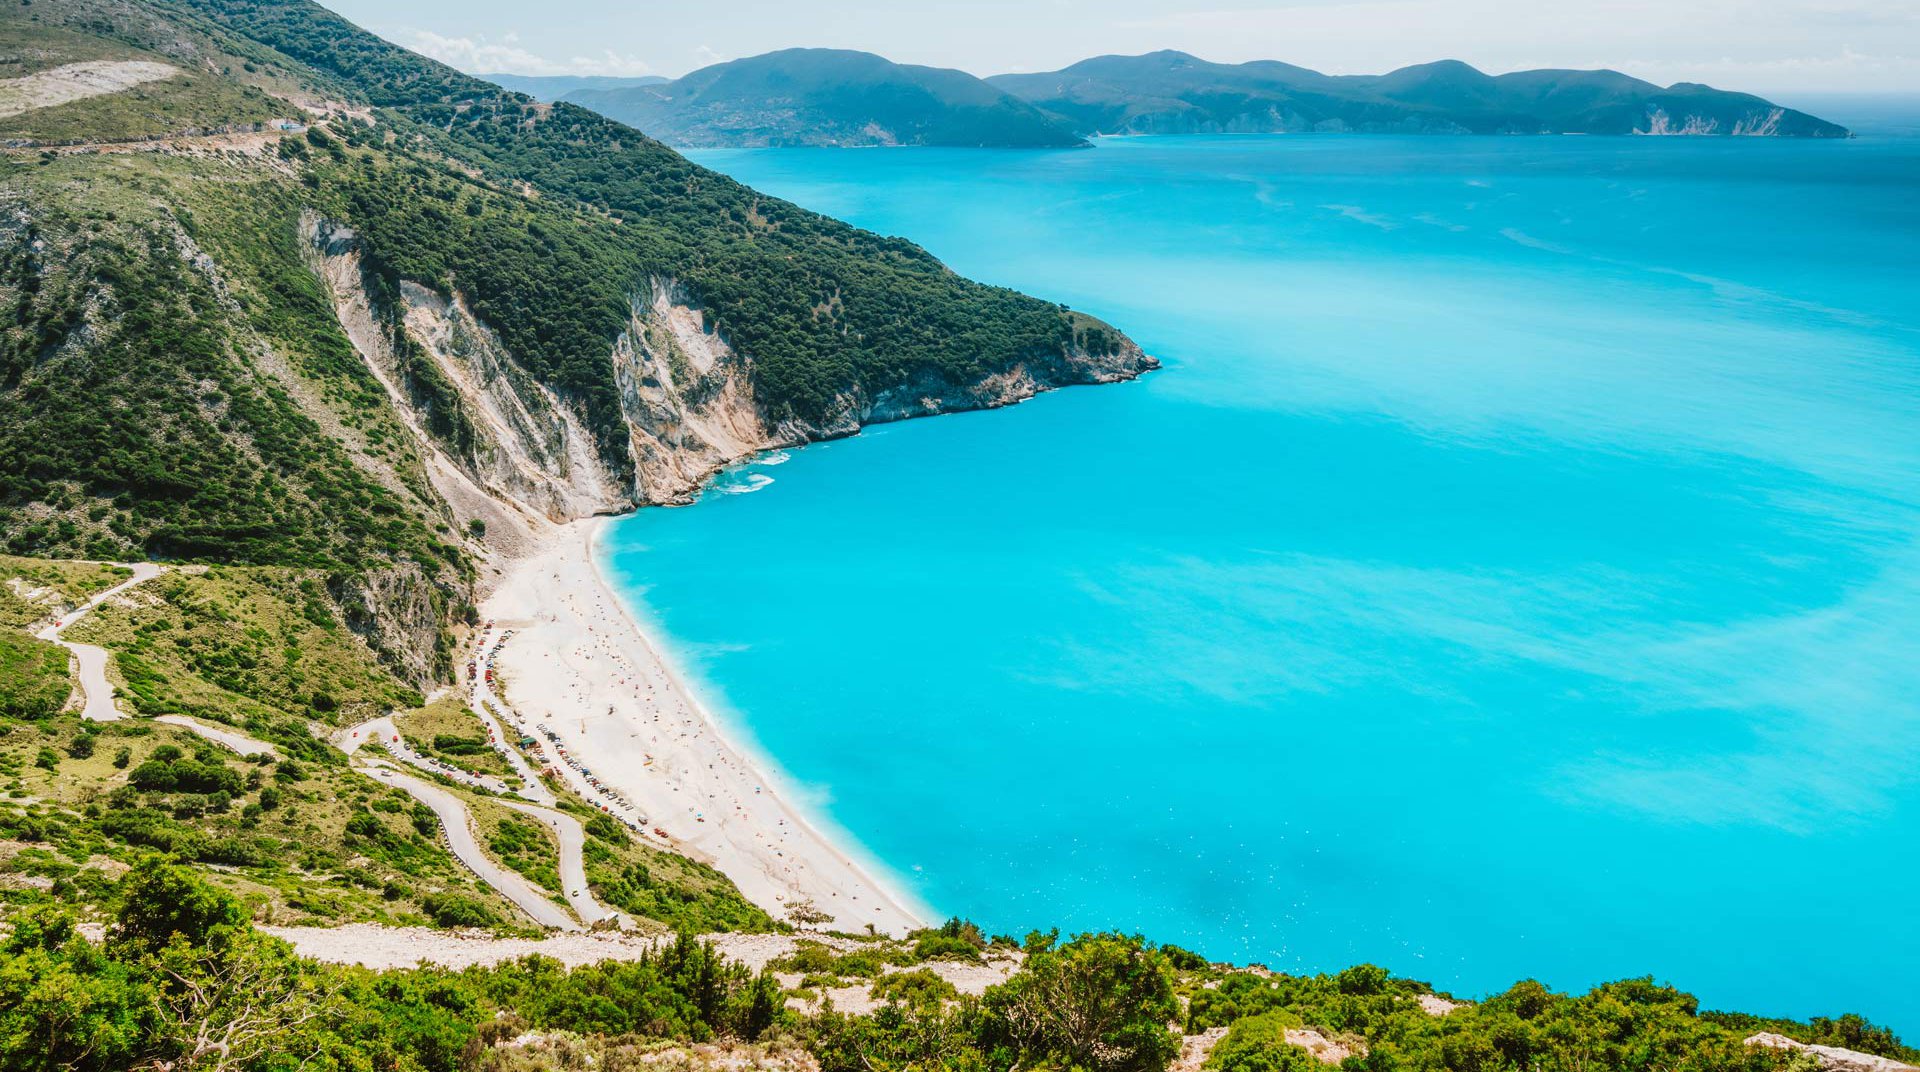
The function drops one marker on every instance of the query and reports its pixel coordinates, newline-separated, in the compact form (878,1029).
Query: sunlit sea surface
(1514,572)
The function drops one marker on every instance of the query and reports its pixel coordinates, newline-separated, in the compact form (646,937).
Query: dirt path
(91,661)
(457,822)
(386,734)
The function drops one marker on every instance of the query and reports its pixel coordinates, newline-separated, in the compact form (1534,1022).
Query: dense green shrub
(1259,1044)
(33,676)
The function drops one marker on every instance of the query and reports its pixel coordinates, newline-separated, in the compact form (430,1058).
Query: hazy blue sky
(1757,45)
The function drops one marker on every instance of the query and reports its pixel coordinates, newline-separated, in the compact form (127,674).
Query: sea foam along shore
(579,664)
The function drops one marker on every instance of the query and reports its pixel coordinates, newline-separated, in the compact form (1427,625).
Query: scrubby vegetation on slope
(179,966)
(298,840)
(303,838)
(256,647)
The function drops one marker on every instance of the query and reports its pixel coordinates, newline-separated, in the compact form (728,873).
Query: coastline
(580,663)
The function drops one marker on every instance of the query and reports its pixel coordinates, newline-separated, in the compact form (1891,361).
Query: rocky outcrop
(503,449)
(399,612)
(688,400)
(530,447)
(1832,1058)
(687,396)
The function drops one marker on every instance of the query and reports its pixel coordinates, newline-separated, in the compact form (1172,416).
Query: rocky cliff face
(399,613)
(688,396)
(521,456)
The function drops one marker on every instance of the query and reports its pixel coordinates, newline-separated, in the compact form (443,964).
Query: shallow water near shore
(1514,571)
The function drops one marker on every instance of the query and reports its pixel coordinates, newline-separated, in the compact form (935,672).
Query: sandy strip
(372,945)
(578,665)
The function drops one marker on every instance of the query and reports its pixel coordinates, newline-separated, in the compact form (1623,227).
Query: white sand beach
(578,664)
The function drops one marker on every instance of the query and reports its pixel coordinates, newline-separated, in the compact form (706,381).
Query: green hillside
(300,838)
(174,380)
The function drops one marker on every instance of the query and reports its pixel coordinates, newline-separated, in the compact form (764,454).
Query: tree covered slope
(1175,93)
(822,96)
(179,378)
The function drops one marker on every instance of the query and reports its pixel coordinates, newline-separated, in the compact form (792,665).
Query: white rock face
(77,81)
(1833,1058)
(686,397)
(531,460)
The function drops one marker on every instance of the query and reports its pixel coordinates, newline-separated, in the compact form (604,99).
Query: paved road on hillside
(90,660)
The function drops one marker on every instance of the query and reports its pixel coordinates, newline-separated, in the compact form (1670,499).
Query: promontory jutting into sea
(475,598)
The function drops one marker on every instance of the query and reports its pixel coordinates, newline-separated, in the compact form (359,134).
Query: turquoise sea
(1515,570)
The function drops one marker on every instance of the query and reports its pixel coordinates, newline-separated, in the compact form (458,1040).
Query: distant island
(835,97)
(822,96)
(1175,93)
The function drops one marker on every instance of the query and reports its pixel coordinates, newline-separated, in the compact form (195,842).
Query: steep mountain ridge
(416,313)
(1173,92)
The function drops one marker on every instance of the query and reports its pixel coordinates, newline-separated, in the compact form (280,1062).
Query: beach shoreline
(580,664)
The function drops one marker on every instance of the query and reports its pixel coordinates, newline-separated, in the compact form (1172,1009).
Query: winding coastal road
(454,815)
(221,735)
(457,823)
(456,820)
(573,869)
(91,661)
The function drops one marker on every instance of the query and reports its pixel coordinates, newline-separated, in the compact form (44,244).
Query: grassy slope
(257,647)
(449,732)
(136,386)
(33,676)
(52,585)
(184,102)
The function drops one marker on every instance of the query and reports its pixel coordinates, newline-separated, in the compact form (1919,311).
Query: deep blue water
(1514,572)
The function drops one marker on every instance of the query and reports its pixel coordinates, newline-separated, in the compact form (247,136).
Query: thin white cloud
(478,55)
(1805,44)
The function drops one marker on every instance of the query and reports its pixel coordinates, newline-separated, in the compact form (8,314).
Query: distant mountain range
(810,96)
(817,96)
(552,87)
(1175,93)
